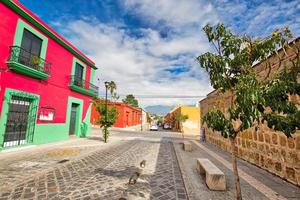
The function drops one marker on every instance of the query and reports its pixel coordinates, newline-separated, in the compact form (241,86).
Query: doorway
(73,118)
(20,122)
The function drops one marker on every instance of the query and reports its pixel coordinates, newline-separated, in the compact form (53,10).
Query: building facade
(128,115)
(145,120)
(266,148)
(189,126)
(46,83)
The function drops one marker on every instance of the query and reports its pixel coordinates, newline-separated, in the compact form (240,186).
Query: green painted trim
(86,124)
(82,91)
(45,133)
(21,25)
(23,69)
(5,107)
(92,74)
(78,117)
(75,60)
(44,29)
(75,87)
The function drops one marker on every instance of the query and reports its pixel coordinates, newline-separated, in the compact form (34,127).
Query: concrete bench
(187,146)
(214,177)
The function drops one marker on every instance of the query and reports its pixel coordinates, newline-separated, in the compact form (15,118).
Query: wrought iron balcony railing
(20,55)
(88,88)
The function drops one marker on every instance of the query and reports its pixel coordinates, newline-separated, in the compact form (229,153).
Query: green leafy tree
(180,118)
(107,117)
(131,100)
(112,87)
(112,116)
(255,99)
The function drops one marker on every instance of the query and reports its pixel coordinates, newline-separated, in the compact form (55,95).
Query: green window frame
(19,67)
(75,60)
(21,25)
(92,74)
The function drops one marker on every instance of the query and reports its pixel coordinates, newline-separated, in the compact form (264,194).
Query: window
(78,74)
(78,71)
(31,43)
(30,49)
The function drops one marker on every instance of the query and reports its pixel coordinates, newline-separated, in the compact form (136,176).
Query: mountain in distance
(159,109)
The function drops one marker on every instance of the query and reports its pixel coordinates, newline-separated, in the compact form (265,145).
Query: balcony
(24,62)
(82,86)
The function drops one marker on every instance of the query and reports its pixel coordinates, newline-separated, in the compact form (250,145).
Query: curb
(184,177)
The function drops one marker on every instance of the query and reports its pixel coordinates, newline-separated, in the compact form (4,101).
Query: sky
(149,47)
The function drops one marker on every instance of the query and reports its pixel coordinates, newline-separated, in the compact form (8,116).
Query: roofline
(124,104)
(42,26)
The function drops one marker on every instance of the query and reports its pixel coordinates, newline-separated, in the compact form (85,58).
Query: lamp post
(106,88)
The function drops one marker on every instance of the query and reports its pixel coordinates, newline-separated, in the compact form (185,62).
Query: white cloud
(259,18)
(137,64)
(173,13)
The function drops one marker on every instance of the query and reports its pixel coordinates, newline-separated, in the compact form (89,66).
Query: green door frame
(78,114)
(5,108)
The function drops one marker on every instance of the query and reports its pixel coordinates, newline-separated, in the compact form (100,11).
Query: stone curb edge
(184,177)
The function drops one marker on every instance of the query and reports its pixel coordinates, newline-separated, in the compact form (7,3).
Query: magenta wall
(53,91)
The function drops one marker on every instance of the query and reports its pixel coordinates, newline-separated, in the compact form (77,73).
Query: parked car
(154,127)
(167,126)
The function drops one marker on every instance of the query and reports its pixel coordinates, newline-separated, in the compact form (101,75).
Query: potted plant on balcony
(36,61)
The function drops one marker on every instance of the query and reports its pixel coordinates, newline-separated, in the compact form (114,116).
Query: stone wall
(265,147)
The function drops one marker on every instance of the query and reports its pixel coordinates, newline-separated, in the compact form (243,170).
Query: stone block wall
(264,147)
(267,149)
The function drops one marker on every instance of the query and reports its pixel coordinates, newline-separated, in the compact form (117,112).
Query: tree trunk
(235,169)
(105,134)
(181,130)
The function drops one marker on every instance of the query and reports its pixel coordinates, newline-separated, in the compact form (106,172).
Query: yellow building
(190,125)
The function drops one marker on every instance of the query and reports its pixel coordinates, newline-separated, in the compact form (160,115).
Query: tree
(112,87)
(255,100)
(130,99)
(180,118)
(107,117)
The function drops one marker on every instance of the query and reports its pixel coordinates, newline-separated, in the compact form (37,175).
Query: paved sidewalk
(260,187)
(18,164)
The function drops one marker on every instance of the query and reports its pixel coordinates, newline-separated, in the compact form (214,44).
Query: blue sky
(149,46)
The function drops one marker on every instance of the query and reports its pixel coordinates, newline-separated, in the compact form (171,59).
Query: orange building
(128,115)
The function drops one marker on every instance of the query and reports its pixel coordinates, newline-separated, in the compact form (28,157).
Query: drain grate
(63,161)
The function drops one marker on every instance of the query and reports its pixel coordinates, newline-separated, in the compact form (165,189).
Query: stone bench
(214,177)
(187,146)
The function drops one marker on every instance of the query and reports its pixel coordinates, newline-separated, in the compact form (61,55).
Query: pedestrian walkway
(256,183)
(17,165)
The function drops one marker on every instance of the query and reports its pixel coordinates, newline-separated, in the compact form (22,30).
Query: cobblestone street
(89,169)
(98,174)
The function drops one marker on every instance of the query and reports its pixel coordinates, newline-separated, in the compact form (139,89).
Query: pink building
(46,83)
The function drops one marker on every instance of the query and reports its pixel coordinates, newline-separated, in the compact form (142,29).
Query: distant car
(154,127)
(167,126)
